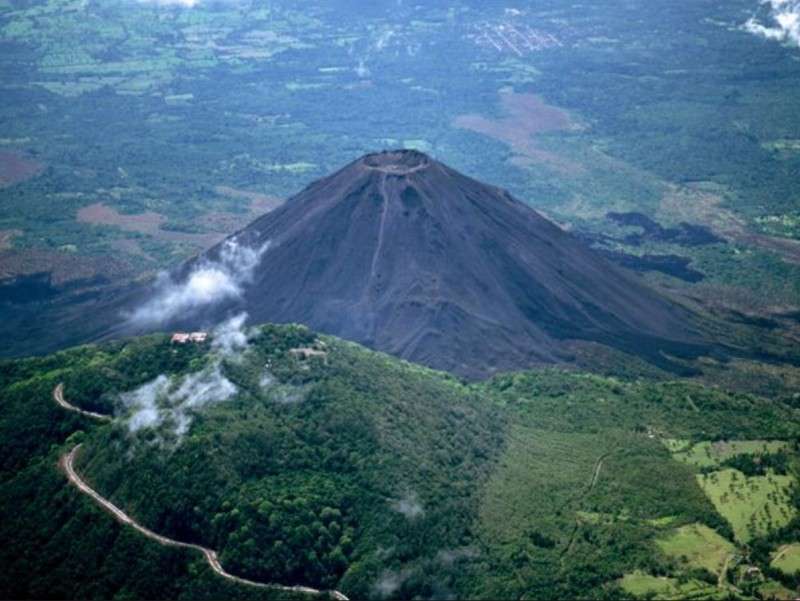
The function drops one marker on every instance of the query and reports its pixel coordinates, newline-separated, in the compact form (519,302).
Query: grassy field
(698,546)
(754,505)
(662,522)
(674,445)
(787,559)
(711,454)
(775,590)
(644,585)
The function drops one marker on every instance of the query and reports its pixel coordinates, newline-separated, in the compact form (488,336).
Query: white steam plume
(409,506)
(389,582)
(166,402)
(142,403)
(450,556)
(230,338)
(785,26)
(198,390)
(209,283)
(163,401)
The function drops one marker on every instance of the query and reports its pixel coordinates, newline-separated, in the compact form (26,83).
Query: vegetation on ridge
(349,469)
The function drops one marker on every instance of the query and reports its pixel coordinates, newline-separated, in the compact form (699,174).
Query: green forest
(347,469)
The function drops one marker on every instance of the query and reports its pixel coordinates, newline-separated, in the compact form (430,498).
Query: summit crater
(399,162)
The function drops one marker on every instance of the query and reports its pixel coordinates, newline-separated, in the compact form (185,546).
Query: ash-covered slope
(405,255)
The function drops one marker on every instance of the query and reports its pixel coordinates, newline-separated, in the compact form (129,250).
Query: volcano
(405,255)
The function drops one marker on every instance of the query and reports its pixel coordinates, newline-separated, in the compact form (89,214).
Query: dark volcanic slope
(408,256)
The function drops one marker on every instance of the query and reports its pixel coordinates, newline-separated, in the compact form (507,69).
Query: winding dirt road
(67,463)
(596,475)
(598,466)
(58,397)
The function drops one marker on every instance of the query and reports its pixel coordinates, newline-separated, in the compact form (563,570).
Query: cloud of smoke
(230,338)
(172,402)
(143,404)
(785,22)
(164,402)
(409,506)
(266,379)
(389,582)
(287,395)
(208,283)
(450,556)
(168,405)
(196,391)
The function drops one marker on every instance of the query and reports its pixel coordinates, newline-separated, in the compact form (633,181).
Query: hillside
(405,255)
(306,460)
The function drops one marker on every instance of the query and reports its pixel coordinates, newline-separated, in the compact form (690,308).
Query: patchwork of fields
(149,110)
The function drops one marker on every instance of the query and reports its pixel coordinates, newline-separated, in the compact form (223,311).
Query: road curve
(58,397)
(598,466)
(596,476)
(67,463)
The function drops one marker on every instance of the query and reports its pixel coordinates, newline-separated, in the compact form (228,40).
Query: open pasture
(755,505)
